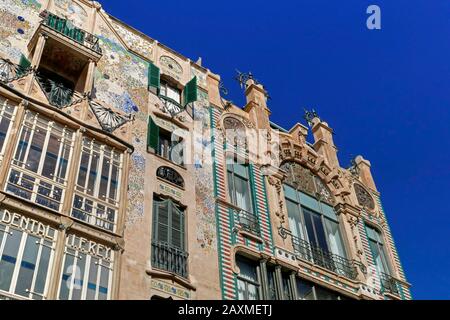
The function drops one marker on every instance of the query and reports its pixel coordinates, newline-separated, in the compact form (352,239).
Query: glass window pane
(295,223)
(272,290)
(27,266)
(114,183)
(23,144)
(51,157)
(92,284)
(304,290)
(93,174)
(4,126)
(320,232)
(104,179)
(243,199)
(67,277)
(41,278)
(334,238)
(79,277)
(241,290)
(174,94)
(35,152)
(309,226)
(104,283)
(9,259)
(252,292)
(247,269)
(84,165)
(325,294)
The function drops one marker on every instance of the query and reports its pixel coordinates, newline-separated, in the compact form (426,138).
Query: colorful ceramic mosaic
(17,18)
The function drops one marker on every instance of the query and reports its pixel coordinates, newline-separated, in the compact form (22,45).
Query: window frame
(50,243)
(282,279)
(382,250)
(33,123)
(9,116)
(304,232)
(169,102)
(78,254)
(114,158)
(170,208)
(232,186)
(256,282)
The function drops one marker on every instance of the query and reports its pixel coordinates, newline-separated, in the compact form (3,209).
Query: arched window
(171,176)
(313,221)
(235,132)
(377,249)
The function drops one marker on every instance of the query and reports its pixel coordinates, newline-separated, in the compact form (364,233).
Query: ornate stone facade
(98,186)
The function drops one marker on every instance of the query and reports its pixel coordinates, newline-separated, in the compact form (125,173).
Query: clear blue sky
(386,93)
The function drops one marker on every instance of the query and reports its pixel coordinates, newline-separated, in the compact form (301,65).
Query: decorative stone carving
(304,180)
(353,222)
(323,191)
(171,64)
(364,198)
(299,177)
(235,131)
(280,212)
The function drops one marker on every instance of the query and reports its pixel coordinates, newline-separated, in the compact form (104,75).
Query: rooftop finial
(243,77)
(309,115)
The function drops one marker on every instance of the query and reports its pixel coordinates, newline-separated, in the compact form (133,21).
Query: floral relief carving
(299,177)
(363,197)
(278,187)
(304,180)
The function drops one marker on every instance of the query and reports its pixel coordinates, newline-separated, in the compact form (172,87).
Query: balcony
(389,284)
(325,259)
(247,221)
(67,29)
(169,258)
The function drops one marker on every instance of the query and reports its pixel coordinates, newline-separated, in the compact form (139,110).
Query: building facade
(125,174)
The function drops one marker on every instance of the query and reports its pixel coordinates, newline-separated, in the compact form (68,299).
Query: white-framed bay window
(96,197)
(26,255)
(87,272)
(39,166)
(7,115)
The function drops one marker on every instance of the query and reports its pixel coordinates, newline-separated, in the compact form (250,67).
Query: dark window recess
(58,90)
(162,143)
(170,175)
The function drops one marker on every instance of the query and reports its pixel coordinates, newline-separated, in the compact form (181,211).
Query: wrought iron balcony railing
(323,258)
(9,71)
(66,28)
(169,258)
(57,93)
(389,284)
(247,221)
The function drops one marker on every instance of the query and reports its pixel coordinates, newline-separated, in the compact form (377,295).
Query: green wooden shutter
(152,134)
(153,77)
(177,227)
(190,91)
(24,65)
(161,221)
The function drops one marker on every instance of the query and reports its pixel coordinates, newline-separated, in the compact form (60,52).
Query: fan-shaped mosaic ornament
(107,118)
